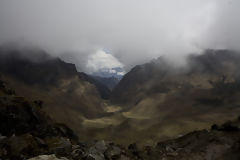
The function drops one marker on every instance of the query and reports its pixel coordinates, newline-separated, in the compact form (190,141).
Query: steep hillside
(27,131)
(110,82)
(103,90)
(160,101)
(34,74)
(35,67)
(159,76)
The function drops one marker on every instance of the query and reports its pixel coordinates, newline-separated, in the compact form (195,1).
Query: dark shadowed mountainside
(68,97)
(39,68)
(110,82)
(159,76)
(104,91)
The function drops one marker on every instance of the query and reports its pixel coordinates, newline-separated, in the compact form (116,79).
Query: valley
(153,102)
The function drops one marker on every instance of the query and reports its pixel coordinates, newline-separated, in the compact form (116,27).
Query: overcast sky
(101,33)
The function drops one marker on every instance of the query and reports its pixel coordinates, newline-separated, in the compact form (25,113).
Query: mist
(129,32)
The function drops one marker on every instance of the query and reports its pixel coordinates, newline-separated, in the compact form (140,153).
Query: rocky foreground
(26,132)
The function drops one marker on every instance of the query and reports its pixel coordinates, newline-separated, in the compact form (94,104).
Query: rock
(113,152)
(26,145)
(47,157)
(29,132)
(38,103)
(228,126)
(94,154)
(57,130)
(214,127)
(172,154)
(123,157)
(74,147)
(40,142)
(18,117)
(101,146)
(95,157)
(169,149)
(2,138)
(77,152)
(102,150)
(133,148)
(59,145)
(3,152)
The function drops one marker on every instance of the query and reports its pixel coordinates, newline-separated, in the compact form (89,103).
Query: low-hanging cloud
(133,31)
(101,60)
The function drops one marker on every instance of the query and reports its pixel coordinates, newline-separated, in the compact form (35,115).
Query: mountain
(161,101)
(68,98)
(110,82)
(27,132)
(44,70)
(160,77)
(103,89)
(116,72)
(155,101)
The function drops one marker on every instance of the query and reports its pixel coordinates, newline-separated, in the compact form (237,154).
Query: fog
(131,31)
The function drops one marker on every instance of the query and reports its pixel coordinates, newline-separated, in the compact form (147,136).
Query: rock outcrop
(26,131)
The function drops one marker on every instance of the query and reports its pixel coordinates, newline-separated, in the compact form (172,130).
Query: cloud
(133,31)
(112,71)
(120,73)
(100,61)
(224,31)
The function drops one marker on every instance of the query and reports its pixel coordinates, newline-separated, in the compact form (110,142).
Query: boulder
(77,152)
(2,138)
(47,157)
(113,152)
(96,152)
(133,149)
(101,146)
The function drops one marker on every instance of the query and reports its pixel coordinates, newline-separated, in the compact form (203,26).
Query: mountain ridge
(157,101)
